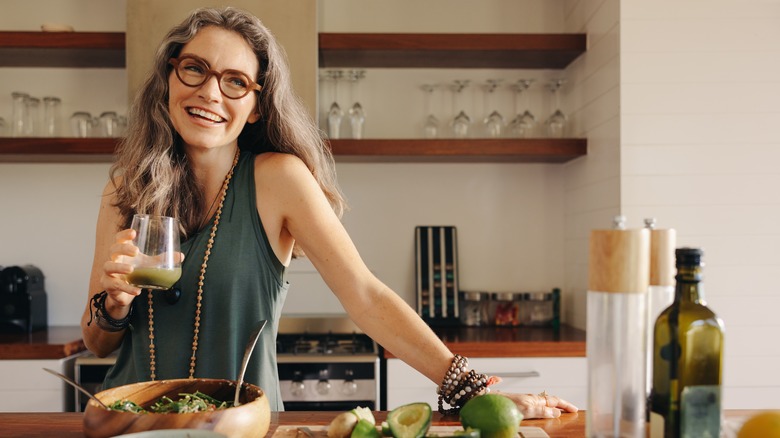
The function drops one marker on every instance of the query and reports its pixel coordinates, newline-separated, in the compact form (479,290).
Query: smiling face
(202,115)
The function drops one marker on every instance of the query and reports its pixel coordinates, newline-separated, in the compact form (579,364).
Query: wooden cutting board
(322,431)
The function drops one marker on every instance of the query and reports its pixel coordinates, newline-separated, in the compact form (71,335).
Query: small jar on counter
(473,308)
(506,308)
(539,308)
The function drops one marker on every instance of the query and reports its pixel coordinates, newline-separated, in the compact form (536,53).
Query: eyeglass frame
(209,72)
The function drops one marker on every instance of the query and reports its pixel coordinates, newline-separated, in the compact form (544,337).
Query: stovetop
(325,344)
(329,338)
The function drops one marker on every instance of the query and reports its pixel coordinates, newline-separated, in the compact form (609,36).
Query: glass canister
(473,308)
(19,118)
(51,116)
(506,308)
(539,307)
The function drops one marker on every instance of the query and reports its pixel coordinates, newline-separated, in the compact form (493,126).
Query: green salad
(186,404)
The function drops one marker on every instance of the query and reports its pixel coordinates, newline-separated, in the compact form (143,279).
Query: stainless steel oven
(326,364)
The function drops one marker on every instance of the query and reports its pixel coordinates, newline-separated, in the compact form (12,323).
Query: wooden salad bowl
(251,419)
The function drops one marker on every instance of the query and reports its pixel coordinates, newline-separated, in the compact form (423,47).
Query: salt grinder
(617,331)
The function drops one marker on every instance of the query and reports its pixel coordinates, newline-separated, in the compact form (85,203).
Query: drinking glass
(158,262)
(19,118)
(494,121)
(109,122)
(556,123)
(461,121)
(523,123)
(335,113)
(431,125)
(81,124)
(357,116)
(32,127)
(51,116)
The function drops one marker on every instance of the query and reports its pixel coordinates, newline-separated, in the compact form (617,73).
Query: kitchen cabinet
(565,377)
(26,387)
(106,50)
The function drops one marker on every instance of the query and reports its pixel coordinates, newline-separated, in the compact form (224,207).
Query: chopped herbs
(186,404)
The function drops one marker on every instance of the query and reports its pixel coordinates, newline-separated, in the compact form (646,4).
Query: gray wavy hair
(156,177)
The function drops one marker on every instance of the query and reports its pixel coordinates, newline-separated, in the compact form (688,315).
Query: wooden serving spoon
(250,346)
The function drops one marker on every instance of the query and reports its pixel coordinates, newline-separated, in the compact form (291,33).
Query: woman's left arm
(307,216)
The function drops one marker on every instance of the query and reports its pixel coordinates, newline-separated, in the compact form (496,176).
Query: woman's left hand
(539,406)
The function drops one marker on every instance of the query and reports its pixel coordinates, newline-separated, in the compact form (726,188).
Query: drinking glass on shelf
(32,127)
(19,117)
(335,113)
(494,121)
(51,116)
(81,124)
(109,122)
(461,121)
(357,116)
(431,125)
(158,262)
(556,123)
(523,123)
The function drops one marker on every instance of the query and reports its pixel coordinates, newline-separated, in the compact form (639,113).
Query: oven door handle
(520,374)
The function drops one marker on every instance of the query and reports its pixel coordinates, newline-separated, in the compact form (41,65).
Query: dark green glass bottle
(687,359)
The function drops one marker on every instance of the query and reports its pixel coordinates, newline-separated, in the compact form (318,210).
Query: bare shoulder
(274,168)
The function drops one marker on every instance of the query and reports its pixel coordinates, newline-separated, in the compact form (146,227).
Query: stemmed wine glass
(158,262)
(357,116)
(461,121)
(494,122)
(524,122)
(335,114)
(556,123)
(431,126)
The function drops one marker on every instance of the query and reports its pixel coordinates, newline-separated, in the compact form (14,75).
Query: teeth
(205,114)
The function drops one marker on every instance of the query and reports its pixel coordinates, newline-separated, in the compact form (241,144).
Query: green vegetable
(187,404)
(365,429)
(410,421)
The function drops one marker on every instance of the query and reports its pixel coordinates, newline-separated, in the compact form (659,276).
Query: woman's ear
(255,116)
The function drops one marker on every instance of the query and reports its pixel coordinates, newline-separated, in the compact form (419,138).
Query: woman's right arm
(108,275)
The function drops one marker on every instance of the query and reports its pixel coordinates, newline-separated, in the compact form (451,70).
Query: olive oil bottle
(687,359)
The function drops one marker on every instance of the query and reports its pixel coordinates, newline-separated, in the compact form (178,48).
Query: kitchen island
(65,425)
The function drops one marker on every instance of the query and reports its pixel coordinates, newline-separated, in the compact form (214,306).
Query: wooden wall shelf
(532,150)
(395,50)
(62,49)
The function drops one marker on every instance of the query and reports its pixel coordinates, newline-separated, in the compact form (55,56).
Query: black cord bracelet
(103,319)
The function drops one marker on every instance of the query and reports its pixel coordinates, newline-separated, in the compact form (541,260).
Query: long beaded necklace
(198,303)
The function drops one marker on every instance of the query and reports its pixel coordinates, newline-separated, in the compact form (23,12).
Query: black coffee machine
(23,306)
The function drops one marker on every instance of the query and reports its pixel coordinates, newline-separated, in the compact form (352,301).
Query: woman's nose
(210,88)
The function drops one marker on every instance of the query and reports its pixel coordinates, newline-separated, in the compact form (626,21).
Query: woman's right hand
(112,279)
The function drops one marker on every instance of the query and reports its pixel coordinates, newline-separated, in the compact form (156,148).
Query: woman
(218,139)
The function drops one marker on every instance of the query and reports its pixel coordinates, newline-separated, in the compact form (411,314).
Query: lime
(410,421)
(365,429)
(494,415)
(761,425)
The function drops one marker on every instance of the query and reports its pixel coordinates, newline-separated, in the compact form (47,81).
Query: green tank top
(244,283)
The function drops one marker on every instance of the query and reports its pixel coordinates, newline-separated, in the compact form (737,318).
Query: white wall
(699,107)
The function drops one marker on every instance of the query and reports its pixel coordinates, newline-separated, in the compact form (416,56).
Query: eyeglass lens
(232,83)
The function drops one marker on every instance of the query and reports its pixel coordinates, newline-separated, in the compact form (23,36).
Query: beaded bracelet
(103,319)
(460,385)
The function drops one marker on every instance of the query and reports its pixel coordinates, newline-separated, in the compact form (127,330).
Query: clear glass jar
(33,126)
(19,118)
(506,308)
(540,308)
(473,308)
(109,124)
(81,123)
(51,116)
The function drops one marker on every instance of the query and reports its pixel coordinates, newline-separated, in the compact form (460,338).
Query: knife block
(436,273)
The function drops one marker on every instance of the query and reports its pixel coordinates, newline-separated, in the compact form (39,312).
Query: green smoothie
(154,278)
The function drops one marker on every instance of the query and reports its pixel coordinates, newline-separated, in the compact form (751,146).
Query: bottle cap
(689,256)
(662,244)
(619,261)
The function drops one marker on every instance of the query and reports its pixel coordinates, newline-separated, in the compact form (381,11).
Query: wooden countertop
(69,424)
(52,343)
(512,341)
